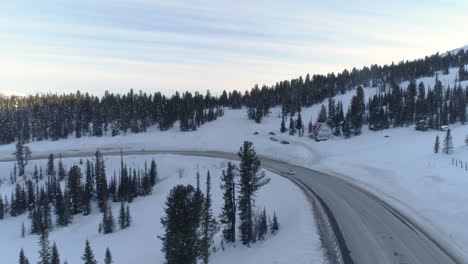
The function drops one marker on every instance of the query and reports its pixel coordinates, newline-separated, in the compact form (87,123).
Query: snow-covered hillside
(396,164)
(297,241)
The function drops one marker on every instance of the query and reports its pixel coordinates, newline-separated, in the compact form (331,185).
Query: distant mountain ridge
(6,94)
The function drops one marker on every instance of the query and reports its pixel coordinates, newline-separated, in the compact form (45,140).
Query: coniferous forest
(53,116)
(54,195)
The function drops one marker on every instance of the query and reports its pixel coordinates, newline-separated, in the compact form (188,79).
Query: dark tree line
(304,92)
(40,117)
(54,117)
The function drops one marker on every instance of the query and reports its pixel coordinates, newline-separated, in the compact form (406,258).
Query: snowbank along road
(368,230)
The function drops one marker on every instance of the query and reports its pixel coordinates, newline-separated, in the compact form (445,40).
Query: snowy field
(296,242)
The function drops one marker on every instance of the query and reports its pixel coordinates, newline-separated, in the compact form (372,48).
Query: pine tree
(74,189)
(60,210)
(22,258)
(153,173)
(251,180)
(88,256)
(101,182)
(331,113)
(436,144)
(322,117)
(35,173)
(55,258)
(31,196)
(292,129)
(347,126)
(448,145)
(108,259)
(283,125)
(209,225)
(122,216)
(50,166)
(44,249)
(2,208)
(262,225)
(299,124)
(20,156)
(61,169)
(181,222)
(108,222)
(274,225)
(88,193)
(128,218)
(228,214)
(23,230)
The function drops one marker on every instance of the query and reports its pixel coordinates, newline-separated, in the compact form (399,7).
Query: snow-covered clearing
(296,242)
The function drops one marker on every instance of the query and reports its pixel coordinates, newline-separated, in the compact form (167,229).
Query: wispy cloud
(201,44)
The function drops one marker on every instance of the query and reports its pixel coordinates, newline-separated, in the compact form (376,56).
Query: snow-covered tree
(88,255)
(448,145)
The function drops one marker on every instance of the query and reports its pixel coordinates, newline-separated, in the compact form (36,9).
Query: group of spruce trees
(189,223)
(425,108)
(48,255)
(42,199)
(447,146)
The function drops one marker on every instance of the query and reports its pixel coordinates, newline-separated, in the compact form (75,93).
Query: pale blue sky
(62,46)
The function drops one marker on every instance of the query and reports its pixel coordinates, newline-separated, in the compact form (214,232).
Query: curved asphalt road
(373,232)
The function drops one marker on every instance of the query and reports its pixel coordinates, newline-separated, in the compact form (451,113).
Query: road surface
(369,231)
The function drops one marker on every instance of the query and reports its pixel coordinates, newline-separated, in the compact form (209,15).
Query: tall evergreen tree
(44,249)
(283,125)
(262,225)
(180,224)
(153,173)
(347,126)
(108,222)
(209,225)
(101,182)
(436,144)
(122,216)
(2,208)
(22,258)
(50,166)
(274,225)
(88,193)
(448,145)
(299,124)
(22,155)
(61,169)
(228,213)
(74,188)
(61,210)
(128,217)
(55,257)
(251,180)
(108,257)
(88,255)
(322,117)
